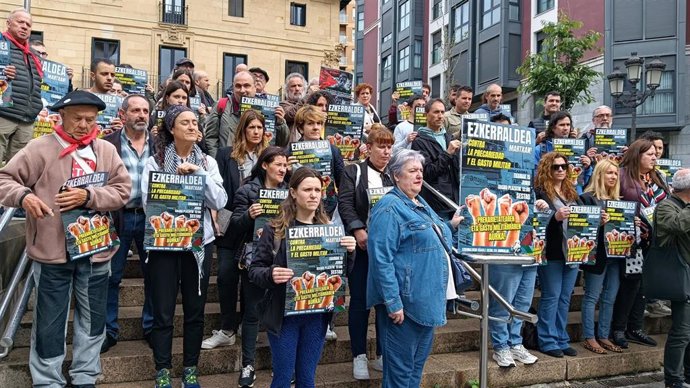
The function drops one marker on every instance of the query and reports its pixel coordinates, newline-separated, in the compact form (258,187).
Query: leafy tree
(558,67)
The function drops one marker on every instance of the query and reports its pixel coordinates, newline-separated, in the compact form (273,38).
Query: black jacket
(230,172)
(554,231)
(116,140)
(600,264)
(441,171)
(26,88)
(539,124)
(240,222)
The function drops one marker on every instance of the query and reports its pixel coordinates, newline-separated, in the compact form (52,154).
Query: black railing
(173,14)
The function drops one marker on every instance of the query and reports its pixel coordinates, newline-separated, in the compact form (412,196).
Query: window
(514,10)
(106,48)
(386,68)
(436,10)
(173,12)
(236,8)
(298,14)
(404,15)
(539,39)
(664,97)
(360,21)
(230,61)
(167,56)
(417,62)
(491,12)
(436,48)
(297,67)
(36,35)
(435,86)
(544,5)
(404,59)
(461,22)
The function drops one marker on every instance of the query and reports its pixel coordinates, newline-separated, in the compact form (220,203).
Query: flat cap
(184,61)
(78,97)
(259,70)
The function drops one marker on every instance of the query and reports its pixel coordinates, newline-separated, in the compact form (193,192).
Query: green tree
(558,67)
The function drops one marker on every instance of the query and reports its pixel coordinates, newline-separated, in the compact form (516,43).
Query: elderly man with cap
(35,179)
(260,80)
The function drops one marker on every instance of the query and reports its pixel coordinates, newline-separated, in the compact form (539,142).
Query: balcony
(175,13)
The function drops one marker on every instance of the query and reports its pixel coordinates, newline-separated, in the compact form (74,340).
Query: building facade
(278,36)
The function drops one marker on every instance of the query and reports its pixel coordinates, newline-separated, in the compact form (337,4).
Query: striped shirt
(135,166)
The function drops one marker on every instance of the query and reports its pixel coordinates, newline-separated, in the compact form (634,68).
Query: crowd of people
(395,261)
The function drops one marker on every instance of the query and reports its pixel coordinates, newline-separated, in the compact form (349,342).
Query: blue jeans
(603,289)
(405,350)
(557,283)
(132,230)
(677,350)
(55,283)
(297,348)
(516,284)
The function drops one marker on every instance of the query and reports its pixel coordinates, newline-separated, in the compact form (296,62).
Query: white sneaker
(521,354)
(504,358)
(219,338)
(658,308)
(377,364)
(330,334)
(360,368)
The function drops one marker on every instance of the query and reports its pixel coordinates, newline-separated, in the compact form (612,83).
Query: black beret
(78,97)
(259,70)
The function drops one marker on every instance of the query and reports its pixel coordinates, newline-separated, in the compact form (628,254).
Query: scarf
(75,143)
(27,52)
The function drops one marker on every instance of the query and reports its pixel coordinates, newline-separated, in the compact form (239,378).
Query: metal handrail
(7,340)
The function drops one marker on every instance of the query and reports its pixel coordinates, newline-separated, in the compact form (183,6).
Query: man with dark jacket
(134,145)
(25,73)
(441,164)
(552,104)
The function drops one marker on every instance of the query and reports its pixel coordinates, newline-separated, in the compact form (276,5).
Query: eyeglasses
(557,167)
(42,53)
(602,115)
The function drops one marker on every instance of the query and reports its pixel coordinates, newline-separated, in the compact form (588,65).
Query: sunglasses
(557,167)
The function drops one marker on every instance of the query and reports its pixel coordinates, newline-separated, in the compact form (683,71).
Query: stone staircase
(454,359)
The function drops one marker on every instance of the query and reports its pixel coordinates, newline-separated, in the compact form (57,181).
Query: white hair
(401,158)
(681,180)
(295,75)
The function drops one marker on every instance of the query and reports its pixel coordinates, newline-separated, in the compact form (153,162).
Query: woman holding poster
(409,272)
(363,184)
(296,340)
(603,278)
(177,153)
(555,191)
(363,95)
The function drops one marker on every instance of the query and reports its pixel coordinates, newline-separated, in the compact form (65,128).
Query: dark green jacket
(673,225)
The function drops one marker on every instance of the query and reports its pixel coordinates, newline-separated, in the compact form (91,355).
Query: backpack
(222,103)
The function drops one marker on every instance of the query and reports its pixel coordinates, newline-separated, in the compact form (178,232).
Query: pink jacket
(37,168)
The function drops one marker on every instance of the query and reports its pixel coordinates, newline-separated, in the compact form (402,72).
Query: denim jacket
(408,268)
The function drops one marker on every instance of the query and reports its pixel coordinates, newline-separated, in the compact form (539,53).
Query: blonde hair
(597,184)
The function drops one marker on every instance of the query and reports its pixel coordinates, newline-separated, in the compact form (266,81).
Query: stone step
(454,370)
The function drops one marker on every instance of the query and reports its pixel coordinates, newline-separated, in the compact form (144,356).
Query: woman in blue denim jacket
(408,272)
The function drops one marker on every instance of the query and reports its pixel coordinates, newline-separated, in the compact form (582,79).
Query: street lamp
(634,98)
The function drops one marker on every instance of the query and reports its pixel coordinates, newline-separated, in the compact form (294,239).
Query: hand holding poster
(5,84)
(317,260)
(268,109)
(53,88)
(344,125)
(175,211)
(496,183)
(610,141)
(668,167)
(408,89)
(106,116)
(338,83)
(619,231)
(573,149)
(581,234)
(133,80)
(270,200)
(539,222)
(87,231)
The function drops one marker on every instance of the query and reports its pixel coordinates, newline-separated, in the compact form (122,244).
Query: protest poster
(540,221)
(573,149)
(195,104)
(53,87)
(496,181)
(419,118)
(107,115)
(344,125)
(668,167)
(175,211)
(610,141)
(268,109)
(648,215)
(375,194)
(87,231)
(272,97)
(270,200)
(318,262)
(5,84)
(581,234)
(408,89)
(338,83)
(317,154)
(133,80)
(619,231)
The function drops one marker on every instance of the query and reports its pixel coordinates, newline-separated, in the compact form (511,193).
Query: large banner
(268,109)
(54,86)
(106,116)
(318,262)
(270,200)
(581,234)
(610,140)
(88,231)
(344,128)
(338,83)
(669,167)
(175,211)
(496,182)
(133,80)
(5,84)
(619,231)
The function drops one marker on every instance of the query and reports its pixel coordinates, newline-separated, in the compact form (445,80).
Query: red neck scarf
(27,51)
(75,143)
